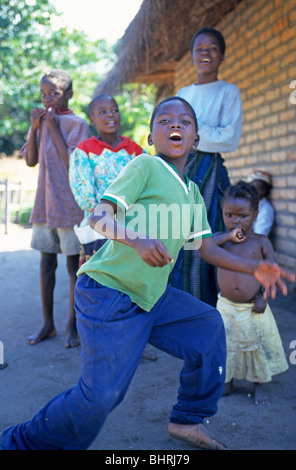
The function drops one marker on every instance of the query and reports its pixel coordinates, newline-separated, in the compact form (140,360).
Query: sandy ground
(37,373)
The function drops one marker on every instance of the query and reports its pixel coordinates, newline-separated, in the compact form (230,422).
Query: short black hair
(213,32)
(173,98)
(243,190)
(62,76)
(99,98)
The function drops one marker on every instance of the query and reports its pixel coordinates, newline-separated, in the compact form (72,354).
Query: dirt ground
(37,373)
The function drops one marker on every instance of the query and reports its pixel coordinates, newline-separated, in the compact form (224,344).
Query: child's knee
(72,265)
(48,263)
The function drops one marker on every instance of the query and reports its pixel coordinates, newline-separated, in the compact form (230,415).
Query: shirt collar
(174,171)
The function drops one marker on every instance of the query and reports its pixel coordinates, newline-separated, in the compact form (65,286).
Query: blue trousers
(113,333)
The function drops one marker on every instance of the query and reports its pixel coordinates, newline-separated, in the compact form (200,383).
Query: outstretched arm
(267,273)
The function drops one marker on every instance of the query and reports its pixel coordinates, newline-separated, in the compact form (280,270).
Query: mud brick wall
(261,60)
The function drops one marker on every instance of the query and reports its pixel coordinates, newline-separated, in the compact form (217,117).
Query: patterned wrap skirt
(190,272)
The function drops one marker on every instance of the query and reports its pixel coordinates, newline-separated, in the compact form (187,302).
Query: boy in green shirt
(122,298)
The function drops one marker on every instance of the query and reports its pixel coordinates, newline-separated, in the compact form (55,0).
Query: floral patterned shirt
(93,167)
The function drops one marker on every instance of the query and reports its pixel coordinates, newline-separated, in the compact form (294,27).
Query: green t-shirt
(155,201)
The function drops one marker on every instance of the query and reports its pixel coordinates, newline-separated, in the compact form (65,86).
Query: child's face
(206,55)
(173,131)
(53,93)
(105,117)
(238,213)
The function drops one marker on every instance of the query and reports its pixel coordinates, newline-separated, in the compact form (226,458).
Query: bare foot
(260,395)
(72,338)
(44,333)
(196,435)
(228,388)
(149,356)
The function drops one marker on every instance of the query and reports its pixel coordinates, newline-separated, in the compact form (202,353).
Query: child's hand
(259,304)
(36,115)
(270,276)
(153,252)
(50,117)
(236,235)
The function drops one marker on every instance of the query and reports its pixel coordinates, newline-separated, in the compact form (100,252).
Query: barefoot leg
(260,395)
(196,435)
(72,337)
(48,265)
(228,388)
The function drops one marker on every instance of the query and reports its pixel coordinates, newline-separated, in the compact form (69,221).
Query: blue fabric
(114,332)
(190,272)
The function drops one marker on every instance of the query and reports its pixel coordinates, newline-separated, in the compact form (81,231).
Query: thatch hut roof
(158,37)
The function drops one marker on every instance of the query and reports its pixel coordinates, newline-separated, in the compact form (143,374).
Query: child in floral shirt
(96,162)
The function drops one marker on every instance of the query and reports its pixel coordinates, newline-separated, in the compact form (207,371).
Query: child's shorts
(55,240)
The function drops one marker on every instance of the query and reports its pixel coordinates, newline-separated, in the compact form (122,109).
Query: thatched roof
(158,37)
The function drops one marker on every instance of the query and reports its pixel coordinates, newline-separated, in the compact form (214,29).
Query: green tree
(28,48)
(136,103)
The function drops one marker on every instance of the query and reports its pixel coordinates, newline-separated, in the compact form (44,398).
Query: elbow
(31,160)
(31,164)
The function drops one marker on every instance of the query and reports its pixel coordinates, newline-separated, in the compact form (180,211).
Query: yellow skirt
(254,347)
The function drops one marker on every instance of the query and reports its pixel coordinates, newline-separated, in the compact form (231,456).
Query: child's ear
(150,141)
(196,140)
(255,215)
(69,94)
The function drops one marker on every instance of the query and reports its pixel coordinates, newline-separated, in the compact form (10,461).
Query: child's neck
(177,163)
(204,79)
(110,139)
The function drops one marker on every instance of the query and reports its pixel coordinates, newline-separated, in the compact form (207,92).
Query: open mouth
(175,137)
(206,60)
(111,123)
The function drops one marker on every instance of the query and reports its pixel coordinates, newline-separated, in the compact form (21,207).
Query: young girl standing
(94,164)
(97,161)
(218,109)
(254,348)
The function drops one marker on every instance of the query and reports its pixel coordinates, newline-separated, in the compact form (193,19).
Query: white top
(265,218)
(218,110)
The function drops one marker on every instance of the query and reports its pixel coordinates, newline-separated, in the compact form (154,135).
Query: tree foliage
(136,103)
(30,46)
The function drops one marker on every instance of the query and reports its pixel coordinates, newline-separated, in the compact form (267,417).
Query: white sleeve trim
(117,198)
(199,234)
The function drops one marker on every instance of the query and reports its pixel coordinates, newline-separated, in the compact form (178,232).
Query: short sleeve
(127,187)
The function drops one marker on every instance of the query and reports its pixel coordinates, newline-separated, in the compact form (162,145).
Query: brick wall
(261,60)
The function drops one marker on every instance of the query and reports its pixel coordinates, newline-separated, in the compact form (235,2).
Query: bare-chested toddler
(254,347)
